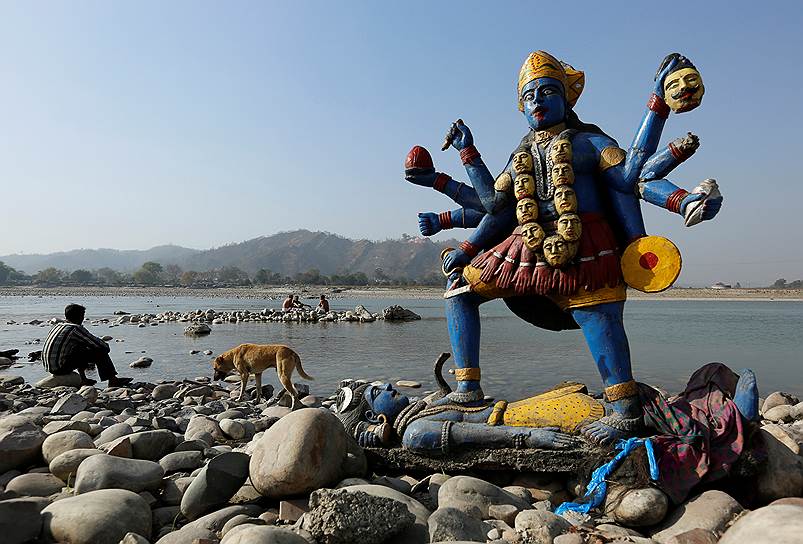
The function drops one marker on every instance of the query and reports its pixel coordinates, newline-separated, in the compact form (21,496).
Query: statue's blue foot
(470,398)
(607,430)
(623,419)
(746,395)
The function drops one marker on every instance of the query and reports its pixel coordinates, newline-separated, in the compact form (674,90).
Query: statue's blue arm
(430,223)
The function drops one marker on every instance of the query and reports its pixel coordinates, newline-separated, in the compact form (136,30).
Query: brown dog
(254,359)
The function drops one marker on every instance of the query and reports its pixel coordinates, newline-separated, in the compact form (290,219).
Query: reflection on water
(669,340)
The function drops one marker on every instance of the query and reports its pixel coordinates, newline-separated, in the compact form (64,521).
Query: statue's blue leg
(604,331)
(746,396)
(463,320)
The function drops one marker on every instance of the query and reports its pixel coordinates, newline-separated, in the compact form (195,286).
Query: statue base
(383,460)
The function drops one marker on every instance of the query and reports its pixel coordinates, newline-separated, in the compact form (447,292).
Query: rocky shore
(183,462)
(418,292)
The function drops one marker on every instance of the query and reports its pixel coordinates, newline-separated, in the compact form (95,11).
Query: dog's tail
(300,369)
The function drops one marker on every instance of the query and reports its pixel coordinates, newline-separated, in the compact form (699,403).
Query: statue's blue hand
(457,258)
(659,81)
(424,180)
(459,135)
(368,439)
(429,223)
(551,438)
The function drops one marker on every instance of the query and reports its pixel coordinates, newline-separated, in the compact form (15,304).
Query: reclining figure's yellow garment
(566,406)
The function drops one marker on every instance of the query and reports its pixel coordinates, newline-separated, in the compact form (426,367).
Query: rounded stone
(261,534)
(780,413)
(305,450)
(110,472)
(35,484)
(97,517)
(233,429)
(467,493)
(215,485)
(21,519)
(778,398)
(65,465)
(113,432)
(540,525)
(164,391)
(200,426)
(182,461)
(20,442)
(152,445)
(56,444)
(637,507)
(774,524)
(712,510)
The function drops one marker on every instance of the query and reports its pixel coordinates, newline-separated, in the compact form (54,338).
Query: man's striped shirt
(63,339)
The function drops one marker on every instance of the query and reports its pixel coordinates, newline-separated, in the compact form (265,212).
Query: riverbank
(308,292)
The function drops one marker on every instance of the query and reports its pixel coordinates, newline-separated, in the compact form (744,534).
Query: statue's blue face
(386,400)
(544,104)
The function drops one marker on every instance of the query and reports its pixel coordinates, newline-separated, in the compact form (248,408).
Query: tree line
(154,274)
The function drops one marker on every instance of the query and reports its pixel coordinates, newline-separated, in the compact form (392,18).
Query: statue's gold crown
(542,64)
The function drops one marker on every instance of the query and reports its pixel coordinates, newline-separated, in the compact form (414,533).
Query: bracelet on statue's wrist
(469,249)
(440,182)
(445,219)
(468,154)
(657,105)
(675,200)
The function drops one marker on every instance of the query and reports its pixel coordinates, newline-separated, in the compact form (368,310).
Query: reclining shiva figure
(377,415)
(551,227)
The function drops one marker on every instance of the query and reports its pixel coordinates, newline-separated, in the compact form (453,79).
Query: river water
(669,339)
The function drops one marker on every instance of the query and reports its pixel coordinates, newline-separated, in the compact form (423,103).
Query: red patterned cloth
(701,432)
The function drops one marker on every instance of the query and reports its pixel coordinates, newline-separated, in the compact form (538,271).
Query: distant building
(720,285)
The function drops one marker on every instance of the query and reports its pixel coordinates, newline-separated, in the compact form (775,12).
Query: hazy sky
(134,124)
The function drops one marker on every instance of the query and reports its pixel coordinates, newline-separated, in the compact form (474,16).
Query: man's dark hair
(75,313)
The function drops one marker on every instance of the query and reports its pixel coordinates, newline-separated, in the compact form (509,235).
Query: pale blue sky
(203,123)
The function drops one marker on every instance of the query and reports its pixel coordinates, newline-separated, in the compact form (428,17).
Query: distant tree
(108,276)
(81,276)
(380,276)
(797,284)
(149,274)
(172,273)
(190,277)
(779,284)
(312,276)
(232,274)
(49,275)
(9,274)
(265,276)
(738,285)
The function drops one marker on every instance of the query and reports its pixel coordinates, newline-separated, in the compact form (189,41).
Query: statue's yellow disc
(651,264)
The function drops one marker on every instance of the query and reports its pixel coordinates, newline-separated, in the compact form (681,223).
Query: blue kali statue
(549,230)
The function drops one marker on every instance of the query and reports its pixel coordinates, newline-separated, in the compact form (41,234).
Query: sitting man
(69,346)
(287,305)
(323,305)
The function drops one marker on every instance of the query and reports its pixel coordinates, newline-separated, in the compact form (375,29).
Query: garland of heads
(560,248)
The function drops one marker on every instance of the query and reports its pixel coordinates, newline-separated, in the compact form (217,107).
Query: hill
(286,253)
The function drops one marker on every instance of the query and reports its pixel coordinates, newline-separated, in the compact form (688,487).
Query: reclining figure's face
(384,399)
